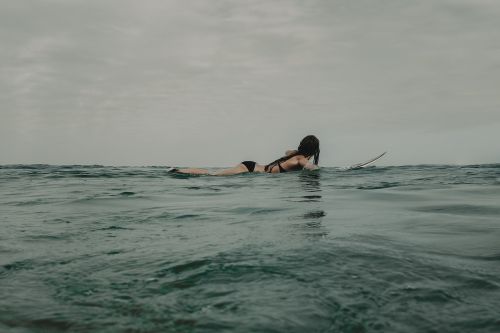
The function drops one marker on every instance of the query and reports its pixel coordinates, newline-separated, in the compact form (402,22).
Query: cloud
(241,75)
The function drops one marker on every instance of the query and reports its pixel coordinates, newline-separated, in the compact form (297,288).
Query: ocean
(136,249)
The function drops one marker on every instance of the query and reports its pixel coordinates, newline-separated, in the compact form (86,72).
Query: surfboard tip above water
(362,165)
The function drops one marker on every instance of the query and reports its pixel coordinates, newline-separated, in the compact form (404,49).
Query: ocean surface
(136,249)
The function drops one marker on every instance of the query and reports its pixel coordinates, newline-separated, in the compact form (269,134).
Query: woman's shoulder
(299,159)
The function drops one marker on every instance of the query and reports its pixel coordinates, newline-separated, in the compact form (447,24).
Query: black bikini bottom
(249,164)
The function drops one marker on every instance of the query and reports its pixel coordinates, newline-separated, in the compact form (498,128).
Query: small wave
(34,202)
(189,266)
(431,295)
(316,214)
(17,265)
(254,210)
(482,284)
(114,252)
(464,209)
(45,325)
(184,267)
(381,185)
(25,166)
(187,216)
(115,227)
(46,237)
(489,257)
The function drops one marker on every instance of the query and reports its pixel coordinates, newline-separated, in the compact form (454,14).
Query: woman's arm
(306,164)
(311,166)
(290,152)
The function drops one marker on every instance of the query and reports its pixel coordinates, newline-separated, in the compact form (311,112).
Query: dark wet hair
(309,146)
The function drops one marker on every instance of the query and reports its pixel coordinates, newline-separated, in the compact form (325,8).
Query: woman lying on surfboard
(293,160)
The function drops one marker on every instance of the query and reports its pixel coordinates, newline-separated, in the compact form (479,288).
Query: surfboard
(364,164)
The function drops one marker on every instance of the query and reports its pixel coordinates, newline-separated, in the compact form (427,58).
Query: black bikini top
(283,169)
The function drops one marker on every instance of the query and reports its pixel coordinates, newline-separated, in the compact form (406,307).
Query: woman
(293,160)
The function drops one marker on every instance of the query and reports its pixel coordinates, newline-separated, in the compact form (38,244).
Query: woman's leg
(240,168)
(193,171)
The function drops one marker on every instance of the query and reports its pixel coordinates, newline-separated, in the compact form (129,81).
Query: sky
(212,83)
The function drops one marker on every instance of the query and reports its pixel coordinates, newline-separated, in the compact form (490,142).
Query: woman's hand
(306,164)
(311,166)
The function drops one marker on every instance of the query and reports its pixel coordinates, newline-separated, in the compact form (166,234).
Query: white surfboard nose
(363,164)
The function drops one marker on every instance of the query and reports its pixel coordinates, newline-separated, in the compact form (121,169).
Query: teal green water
(135,249)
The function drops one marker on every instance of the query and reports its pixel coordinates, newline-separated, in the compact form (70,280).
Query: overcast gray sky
(211,83)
